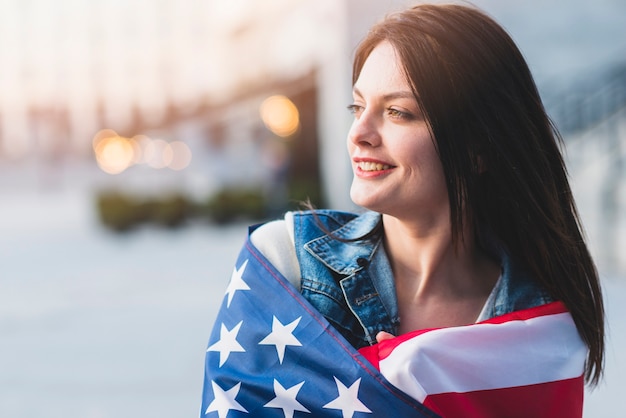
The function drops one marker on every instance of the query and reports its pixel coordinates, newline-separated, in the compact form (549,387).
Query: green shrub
(232,204)
(170,212)
(120,212)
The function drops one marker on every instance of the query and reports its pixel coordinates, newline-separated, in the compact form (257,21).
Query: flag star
(227,343)
(236,283)
(282,336)
(225,400)
(348,400)
(286,399)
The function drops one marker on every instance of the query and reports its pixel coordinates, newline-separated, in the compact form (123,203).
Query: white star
(282,336)
(227,343)
(225,401)
(348,400)
(286,399)
(236,283)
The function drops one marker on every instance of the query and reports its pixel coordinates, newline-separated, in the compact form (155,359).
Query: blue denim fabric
(350,281)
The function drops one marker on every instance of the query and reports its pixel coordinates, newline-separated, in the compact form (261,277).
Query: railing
(582,105)
(591,117)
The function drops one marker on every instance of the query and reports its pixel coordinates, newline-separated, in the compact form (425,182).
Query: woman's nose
(364,130)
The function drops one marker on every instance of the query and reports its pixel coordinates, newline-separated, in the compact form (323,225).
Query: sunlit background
(139,138)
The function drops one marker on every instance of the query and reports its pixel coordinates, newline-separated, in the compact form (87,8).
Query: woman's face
(396,167)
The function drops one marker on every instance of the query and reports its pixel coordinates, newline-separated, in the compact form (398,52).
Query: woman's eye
(398,114)
(355,109)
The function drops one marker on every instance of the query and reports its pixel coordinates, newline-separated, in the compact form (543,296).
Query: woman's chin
(365,200)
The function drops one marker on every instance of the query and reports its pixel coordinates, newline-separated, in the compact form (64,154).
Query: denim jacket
(349,280)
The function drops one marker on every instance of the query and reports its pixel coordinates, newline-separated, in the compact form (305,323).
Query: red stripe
(562,398)
(542,310)
(380,351)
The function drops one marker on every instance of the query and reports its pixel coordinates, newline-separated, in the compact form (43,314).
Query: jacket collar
(514,290)
(342,251)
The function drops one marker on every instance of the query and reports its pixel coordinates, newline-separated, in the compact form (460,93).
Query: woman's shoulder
(280,233)
(275,240)
(280,230)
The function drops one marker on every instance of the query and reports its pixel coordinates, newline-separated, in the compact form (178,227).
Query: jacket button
(362,262)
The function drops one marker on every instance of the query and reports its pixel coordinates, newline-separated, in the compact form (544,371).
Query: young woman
(469,220)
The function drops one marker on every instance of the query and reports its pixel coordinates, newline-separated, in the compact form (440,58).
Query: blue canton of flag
(271,354)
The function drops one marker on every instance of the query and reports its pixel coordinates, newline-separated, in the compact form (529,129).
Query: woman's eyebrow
(389,96)
(399,95)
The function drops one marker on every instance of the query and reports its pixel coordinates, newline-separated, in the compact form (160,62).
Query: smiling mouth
(370,166)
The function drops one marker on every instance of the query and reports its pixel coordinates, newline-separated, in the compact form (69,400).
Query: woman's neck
(424,252)
(430,272)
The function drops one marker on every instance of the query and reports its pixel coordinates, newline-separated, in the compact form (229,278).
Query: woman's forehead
(383,74)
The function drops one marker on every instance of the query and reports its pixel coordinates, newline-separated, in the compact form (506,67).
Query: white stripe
(487,356)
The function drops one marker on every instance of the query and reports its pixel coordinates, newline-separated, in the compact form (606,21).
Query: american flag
(271,354)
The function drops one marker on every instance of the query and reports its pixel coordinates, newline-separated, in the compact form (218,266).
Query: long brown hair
(500,152)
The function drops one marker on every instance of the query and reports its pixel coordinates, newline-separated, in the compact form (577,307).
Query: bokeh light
(154,154)
(139,143)
(115,153)
(181,155)
(280,115)
(101,136)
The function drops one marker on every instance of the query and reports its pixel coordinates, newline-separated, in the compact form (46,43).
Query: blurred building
(190,71)
(168,94)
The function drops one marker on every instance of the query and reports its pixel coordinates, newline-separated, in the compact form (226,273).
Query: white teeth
(370,166)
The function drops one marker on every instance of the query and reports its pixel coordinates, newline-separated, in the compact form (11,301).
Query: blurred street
(96,325)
